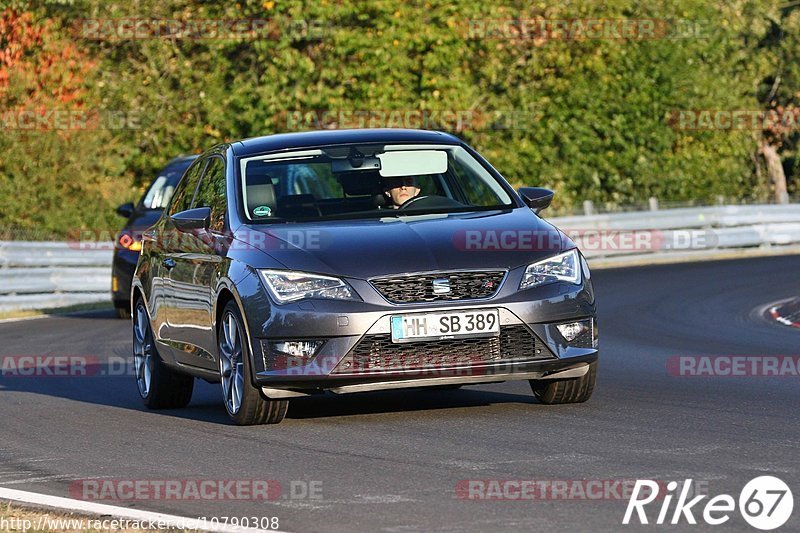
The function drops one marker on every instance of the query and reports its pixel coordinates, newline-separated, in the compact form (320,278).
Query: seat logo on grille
(441,286)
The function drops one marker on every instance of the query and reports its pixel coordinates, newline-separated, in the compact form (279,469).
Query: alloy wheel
(142,350)
(231,363)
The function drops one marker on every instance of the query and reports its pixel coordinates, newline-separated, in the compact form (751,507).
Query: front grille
(377,353)
(418,288)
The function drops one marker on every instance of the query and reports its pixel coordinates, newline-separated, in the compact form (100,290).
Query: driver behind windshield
(400,190)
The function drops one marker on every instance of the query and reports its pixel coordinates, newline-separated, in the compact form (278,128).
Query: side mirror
(125,210)
(192,219)
(536,198)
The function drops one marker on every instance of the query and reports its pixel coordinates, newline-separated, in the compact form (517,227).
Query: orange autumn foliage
(39,69)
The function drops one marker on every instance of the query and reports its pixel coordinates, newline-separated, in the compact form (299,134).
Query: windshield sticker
(262,211)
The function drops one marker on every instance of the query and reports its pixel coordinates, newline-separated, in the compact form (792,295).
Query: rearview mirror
(125,210)
(537,198)
(355,164)
(192,219)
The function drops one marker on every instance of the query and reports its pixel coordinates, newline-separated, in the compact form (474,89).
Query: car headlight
(287,286)
(562,267)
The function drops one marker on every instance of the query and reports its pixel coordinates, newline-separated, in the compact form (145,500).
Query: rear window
(161,189)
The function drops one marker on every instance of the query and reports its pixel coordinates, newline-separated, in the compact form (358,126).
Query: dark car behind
(139,217)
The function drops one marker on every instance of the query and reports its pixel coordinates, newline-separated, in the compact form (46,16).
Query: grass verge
(29,313)
(17,518)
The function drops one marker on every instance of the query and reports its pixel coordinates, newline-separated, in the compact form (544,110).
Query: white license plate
(446,325)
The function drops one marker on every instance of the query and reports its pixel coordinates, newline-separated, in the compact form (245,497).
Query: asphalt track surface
(392,460)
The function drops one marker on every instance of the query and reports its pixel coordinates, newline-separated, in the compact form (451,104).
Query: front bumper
(529,347)
(287,387)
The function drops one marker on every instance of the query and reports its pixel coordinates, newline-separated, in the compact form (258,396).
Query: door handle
(169,263)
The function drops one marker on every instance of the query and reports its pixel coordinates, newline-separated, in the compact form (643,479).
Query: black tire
(574,390)
(254,408)
(167,388)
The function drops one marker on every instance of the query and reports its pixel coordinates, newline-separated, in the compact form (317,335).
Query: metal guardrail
(41,275)
(686,218)
(681,230)
(46,275)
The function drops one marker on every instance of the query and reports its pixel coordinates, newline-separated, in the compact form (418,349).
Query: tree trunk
(775,172)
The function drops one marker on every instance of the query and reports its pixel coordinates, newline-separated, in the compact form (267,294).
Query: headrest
(260,195)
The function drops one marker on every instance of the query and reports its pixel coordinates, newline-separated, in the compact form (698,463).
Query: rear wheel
(159,386)
(243,401)
(574,390)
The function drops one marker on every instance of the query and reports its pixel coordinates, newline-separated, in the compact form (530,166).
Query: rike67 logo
(765,503)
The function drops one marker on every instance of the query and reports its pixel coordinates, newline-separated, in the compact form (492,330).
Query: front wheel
(574,390)
(159,386)
(243,401)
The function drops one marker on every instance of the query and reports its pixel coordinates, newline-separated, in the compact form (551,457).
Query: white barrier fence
(41,275)
(45,275)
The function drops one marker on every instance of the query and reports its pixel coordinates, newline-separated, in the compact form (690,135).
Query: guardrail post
(653,204)
(588,208)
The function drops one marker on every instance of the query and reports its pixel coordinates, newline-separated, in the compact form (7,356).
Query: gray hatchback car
(406,261)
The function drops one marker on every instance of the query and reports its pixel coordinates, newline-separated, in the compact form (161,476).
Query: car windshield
(349,181)
(160,191)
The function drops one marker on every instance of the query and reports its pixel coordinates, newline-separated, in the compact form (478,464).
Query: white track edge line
(57,502)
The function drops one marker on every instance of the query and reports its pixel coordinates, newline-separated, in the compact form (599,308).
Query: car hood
(395,245)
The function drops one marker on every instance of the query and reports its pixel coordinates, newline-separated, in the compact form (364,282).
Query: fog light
(573,330)
(303,349)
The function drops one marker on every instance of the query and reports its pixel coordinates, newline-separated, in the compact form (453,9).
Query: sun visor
(413,163)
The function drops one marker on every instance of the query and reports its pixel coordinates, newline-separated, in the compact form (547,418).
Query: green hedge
(588,117)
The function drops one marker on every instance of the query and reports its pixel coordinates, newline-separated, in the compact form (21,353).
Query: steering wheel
(412,201)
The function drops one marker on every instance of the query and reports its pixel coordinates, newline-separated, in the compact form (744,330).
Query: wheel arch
(137,291)
(226,293)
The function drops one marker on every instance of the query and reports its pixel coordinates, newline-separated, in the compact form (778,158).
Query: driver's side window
(211,193)
(184,193)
